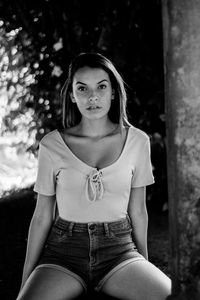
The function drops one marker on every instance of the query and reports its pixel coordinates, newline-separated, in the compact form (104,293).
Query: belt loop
(70,228)
(106,228)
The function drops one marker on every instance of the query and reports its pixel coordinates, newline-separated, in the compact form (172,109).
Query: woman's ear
(72,98)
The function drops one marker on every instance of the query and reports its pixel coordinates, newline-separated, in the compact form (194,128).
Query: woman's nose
(93,97)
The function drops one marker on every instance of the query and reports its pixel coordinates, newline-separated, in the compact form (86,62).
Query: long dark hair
(117,113)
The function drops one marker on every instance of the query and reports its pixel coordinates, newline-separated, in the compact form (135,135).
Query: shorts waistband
(84,227)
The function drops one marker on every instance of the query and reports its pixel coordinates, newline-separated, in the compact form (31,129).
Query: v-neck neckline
(87,165)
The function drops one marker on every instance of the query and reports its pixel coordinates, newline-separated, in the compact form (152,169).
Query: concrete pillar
(181,32)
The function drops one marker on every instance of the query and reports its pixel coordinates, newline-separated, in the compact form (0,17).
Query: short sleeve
(45,180)
(143,174)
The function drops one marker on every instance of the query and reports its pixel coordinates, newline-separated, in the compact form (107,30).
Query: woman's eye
(81,88)
(102,86)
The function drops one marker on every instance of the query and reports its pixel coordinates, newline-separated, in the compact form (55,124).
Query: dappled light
(17,167)
(17,162)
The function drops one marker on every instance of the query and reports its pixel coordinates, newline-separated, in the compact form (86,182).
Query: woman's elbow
(140,214)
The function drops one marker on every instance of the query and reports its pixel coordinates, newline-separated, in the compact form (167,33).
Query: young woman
(95,170)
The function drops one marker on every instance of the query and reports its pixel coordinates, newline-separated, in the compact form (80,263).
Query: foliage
(52,32)
(49,34)
(15,84)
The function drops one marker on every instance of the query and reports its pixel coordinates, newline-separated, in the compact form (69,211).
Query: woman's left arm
(139,217)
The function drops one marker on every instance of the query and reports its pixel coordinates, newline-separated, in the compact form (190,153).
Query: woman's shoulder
(139,134)
(49,137)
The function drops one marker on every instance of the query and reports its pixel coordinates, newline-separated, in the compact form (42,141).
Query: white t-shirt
(84,193)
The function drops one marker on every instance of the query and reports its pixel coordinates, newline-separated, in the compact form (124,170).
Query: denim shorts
(90,252)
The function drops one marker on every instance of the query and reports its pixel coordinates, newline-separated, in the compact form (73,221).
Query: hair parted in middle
(70,112)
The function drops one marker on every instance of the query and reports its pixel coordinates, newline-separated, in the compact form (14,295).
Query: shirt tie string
(94,186)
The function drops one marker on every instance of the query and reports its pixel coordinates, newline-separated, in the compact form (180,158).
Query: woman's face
(92,92)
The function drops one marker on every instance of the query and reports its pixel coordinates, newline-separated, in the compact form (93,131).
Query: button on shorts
(90,252)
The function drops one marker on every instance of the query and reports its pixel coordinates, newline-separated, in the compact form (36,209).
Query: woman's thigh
(50,284)
(139,280)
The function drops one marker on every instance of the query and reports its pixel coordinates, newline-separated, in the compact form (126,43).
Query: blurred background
(38,40)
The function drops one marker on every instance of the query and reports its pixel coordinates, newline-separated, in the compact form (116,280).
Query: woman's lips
(93,107)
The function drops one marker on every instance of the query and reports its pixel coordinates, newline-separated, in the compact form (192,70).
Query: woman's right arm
(39,228)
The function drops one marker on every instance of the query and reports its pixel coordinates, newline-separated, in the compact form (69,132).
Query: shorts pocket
(57,235)
(121,231)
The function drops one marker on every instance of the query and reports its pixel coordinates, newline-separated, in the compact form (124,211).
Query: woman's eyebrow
(79,82)
(102,81)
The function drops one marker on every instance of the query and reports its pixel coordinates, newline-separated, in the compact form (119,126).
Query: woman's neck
(96,128)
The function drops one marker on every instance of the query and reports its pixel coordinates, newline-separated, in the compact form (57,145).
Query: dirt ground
(15,216)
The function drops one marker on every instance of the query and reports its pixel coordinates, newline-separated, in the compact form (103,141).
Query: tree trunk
(181,31)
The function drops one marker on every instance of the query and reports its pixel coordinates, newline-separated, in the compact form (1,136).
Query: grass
(15,214)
